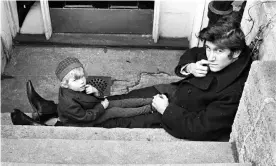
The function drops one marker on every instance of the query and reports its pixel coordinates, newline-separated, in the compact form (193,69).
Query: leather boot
(43,110)
(19,118)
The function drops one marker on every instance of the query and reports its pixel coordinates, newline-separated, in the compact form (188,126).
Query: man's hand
(89,89)
(160,103)
(198,69)
(105,103)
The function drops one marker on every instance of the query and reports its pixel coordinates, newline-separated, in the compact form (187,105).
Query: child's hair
(75,73)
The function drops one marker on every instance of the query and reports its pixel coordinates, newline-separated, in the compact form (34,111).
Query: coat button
(189,91)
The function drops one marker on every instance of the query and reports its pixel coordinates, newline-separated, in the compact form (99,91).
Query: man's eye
(219,51)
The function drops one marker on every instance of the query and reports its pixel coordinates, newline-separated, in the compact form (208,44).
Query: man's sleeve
(190,56)
(76,113)
(201,125)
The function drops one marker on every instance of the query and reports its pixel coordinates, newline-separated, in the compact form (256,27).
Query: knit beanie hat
(65,66)
(99,84)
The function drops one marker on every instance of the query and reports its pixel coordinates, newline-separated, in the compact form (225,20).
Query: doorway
(102,17)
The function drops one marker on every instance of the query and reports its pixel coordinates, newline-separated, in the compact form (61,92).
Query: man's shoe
(43,110)
(19,118)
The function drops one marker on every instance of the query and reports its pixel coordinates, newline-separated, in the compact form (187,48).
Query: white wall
(177,17)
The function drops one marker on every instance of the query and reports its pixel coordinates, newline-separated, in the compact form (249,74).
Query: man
(203,105)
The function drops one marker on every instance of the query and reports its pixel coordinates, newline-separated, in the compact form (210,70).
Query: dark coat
(203,108)
(78,108)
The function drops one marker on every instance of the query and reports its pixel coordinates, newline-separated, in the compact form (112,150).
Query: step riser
(113,152)
(88,133)
(212,164)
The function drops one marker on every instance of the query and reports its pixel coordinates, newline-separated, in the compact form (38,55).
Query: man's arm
(193,61)
(190,56)
(205,124)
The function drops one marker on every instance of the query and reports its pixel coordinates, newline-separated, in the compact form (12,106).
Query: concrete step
(211,164)
(64,151)
(80,133)
(85,133)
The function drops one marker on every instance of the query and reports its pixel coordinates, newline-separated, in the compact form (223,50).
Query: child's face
(77,83)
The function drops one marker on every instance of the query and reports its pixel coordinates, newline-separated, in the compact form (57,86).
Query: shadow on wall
(5,56)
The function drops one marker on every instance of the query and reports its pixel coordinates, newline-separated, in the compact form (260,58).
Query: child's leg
(116,112)
(130,103)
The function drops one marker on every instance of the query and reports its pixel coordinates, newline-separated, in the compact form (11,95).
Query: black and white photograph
(151,82)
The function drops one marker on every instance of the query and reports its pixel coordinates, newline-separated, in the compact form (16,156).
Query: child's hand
(105,103)
(89,89)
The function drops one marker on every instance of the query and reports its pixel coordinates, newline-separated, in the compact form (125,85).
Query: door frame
(199,22)
(45,10)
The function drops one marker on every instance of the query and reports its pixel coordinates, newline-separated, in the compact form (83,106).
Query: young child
(81,104)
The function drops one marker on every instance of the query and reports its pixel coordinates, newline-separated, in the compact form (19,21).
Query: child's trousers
(126,108)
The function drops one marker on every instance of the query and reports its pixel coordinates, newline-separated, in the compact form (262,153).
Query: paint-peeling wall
(9,28)
(6,39)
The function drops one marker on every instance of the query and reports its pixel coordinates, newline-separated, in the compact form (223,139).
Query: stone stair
(49,145)
(58,146)
(212,164)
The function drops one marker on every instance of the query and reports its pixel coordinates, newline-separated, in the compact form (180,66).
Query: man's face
(218,57)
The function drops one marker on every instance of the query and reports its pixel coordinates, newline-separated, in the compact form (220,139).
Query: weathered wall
(258,14)
(9,28)
(254,128)
(6,38)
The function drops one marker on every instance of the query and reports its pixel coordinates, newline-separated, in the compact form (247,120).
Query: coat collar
(233,71)
(227,75)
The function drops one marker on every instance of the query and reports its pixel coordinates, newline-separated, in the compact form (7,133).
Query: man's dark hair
(226,33)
